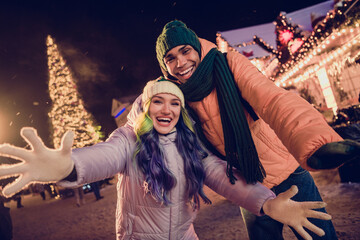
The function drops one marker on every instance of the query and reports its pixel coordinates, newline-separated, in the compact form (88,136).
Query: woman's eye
(156,101)
(175,104)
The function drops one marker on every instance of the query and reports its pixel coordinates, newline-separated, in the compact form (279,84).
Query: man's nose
(181,60)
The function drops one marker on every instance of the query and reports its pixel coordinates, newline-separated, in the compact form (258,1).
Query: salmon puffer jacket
(138,214)
(289,130)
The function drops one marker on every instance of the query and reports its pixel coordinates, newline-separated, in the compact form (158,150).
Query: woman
(161,167)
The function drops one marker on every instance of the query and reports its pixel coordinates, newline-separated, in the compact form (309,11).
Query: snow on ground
(62,220)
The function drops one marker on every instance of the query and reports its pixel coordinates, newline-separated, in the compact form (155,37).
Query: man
(254,125)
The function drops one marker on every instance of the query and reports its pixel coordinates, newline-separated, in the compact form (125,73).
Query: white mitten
(40,164)
(295,214)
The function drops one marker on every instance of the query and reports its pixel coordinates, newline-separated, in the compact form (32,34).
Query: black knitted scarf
(213,71)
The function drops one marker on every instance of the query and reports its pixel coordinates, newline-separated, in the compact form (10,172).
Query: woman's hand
(295,214)
(40,164)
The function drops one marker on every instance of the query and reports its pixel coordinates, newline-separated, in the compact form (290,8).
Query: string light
(327,58)
(265,45)
(333,27)
(293,61)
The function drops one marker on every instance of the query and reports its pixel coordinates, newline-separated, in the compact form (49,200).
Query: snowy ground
(63,220)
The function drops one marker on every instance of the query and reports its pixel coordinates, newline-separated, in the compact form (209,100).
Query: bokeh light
(3,127)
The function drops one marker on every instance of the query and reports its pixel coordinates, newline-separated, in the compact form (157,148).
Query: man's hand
(295,214)
(40,164)
(335,154)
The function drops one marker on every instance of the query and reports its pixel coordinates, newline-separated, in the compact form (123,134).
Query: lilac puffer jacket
(139,215)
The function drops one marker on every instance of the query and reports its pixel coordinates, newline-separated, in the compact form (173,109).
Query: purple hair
(158,177)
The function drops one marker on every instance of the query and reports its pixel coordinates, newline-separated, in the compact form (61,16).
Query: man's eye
(169,60)
(186,50)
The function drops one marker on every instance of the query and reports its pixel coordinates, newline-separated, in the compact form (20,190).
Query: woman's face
(164,111)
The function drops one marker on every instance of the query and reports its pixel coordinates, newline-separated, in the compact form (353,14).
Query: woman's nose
(165,109)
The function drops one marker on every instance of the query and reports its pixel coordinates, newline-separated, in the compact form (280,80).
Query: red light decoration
(294,45)
(285,36)
(248,53)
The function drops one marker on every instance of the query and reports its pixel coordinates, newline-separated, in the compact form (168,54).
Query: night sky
(108,45)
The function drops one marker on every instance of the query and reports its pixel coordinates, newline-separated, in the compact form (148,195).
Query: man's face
(181,62)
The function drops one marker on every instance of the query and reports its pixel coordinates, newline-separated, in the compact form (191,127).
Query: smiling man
(260,129)
(181,62)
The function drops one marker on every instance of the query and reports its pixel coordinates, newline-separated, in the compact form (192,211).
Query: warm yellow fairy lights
(325,57)
(259,64)
(68,112)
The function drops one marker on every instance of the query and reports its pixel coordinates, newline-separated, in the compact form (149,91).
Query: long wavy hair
(159,180)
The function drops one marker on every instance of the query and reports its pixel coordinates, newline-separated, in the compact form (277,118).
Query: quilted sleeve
(300,127)
(103,160)
(249,196)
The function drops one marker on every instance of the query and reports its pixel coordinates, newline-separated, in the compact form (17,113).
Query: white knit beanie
(161,85)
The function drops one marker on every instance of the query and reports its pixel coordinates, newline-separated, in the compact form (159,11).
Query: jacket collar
(167,138)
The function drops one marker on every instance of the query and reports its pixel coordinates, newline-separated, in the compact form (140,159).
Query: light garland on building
(334,25)
(259,64)
(286,34)
(245,44)
(221,43)
(68,111)
(326,58)
(267,47)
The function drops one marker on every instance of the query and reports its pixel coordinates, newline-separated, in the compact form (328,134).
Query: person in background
(107,181)
(39,188)
(79,196)
(96,190)
(162,168)
(6,228)
(17,198)
(267,133)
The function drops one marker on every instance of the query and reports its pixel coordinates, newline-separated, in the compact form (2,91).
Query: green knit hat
(175,33)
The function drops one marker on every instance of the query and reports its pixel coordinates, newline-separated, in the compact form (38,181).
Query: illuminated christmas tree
(68,111)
